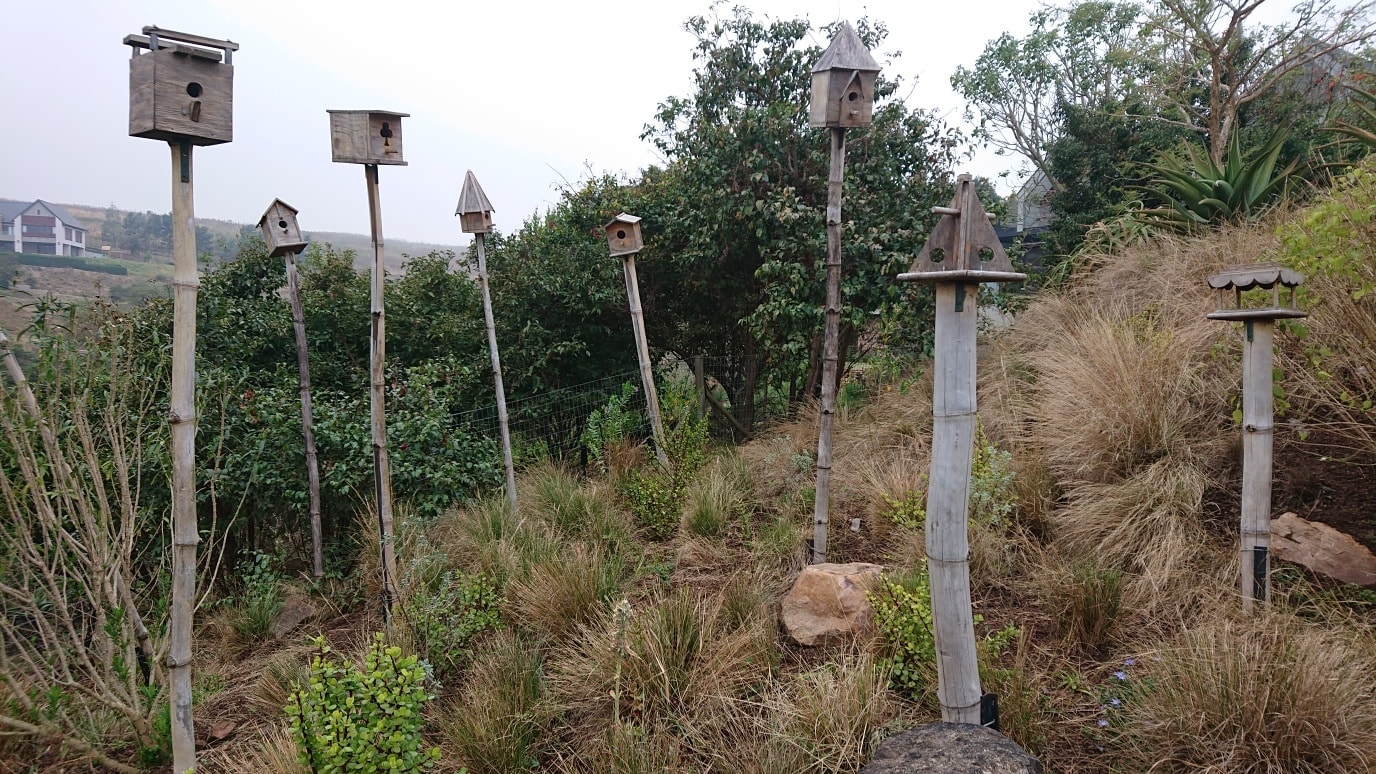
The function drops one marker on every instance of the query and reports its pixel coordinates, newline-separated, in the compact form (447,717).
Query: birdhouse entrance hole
(853,96)
(282,224)
(621,233)
(194,89)
(387,137)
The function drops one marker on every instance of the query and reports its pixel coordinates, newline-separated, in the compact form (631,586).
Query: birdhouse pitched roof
(471,198)
(270,208)
(622,218)
(374,112)
(846,52)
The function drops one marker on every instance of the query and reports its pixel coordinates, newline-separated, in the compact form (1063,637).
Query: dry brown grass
(564,591)
(271,751)
(494,725)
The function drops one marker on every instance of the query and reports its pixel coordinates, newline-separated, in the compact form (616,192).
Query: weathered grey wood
(843,83)
(642,351)
(700,384)
(200,40)
(948,546)
(496,370)
(177,97)
(298,322)
(377,361)
(830,348)
(623,235)
(280,230)
(474,209)
(725,413)
(366,136)
(1257,434)
(185,536)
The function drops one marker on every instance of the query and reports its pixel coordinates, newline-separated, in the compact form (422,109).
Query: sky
(529,95)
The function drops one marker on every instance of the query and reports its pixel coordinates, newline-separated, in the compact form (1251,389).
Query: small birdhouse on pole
(623,235)
(474,210)
(963,246)
(1258,409)
(182,89)
(843,83)
(280,230)
(366,136)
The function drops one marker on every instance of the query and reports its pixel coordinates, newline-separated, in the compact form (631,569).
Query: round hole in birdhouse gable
(282,224)
(853,96)
(938,255)
(194,89)
(621,233)
(986,253)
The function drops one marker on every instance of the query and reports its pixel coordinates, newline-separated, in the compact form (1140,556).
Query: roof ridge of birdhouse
(471,198)
(846,52)
(397,113)
(274,203)
(624,217)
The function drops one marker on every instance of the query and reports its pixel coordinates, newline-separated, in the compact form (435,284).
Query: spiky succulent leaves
(1198,191)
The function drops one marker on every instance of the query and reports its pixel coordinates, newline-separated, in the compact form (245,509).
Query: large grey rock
(1322,549)
(950,748)
(828,603)
(295,611)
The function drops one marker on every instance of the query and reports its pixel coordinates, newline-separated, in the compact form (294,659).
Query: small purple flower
(1130,662)
(1115,702)
(1103,723)
(1121,675)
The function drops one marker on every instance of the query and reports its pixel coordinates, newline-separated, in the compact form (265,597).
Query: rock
(222,730)
(295,612)
(950,748)
(827,603)
(1322,549)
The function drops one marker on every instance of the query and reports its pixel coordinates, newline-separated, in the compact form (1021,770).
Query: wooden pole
(831,346)
(303,368)
(948,495)
(700,384)
(1257,433)
(496,371)
(185,536)
(642,351)
(377,360)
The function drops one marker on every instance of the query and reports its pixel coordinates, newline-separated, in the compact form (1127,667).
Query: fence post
(700,385)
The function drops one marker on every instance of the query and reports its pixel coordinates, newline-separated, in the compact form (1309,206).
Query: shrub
(609,425)
(351,719)
(654,499)
(259,599)
(443,620)
(903,620)
(909,512)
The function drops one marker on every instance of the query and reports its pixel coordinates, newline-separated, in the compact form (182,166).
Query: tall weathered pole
(1254,555)
(475,217)
(181,92)
(283,237)
(624,240)
(370,138)
(962,252)
(842,97)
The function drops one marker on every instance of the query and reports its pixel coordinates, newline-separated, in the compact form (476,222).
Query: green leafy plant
(609,425)
(259,599)
(903,619)
(909,512)
(991,482)
(369,719)
(1199,191)
(444,620)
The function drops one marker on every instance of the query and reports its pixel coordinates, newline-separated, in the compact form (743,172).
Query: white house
(40,228)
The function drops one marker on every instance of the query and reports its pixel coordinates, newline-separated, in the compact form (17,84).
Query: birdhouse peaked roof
(846,52)
(271,207)
(622,218)
(471,198)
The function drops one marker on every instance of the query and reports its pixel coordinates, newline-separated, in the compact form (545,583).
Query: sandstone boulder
(827,603)
(1322,549)
(950,748)
(295,612)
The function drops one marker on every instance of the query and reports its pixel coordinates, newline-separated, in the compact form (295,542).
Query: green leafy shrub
(260,599)
(443,621)
(610,424)
(903,619)
(369,719)
(654,499)
(1334,237)
(909,512)
(991,482)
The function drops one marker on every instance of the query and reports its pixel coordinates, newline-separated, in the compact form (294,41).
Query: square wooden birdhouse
(366,136)
(623,235)
(280,229)
(181,87)
(843,83)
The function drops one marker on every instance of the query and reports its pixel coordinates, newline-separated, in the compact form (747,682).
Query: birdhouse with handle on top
(181,87)
(366,136)
(843,83)
(280,230)
(623,235)
(474,210)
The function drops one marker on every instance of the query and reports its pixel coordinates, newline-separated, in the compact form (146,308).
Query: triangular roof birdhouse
(474,210)
(623,235)
(280,229)
(843,83)
(963,246)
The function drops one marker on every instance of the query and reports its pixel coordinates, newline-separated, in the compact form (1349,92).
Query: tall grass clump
(826,719)
(564,590)
(715,497)
(494,726)
(1268,696)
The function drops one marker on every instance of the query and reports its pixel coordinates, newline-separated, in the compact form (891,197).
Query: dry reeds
(494,726)
(564,591)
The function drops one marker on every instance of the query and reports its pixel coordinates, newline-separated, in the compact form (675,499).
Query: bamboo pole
(185,536)
(496,371)
(377,359)
(700,384)
(298,321)
(642,351)
(1257,434)
(831,346)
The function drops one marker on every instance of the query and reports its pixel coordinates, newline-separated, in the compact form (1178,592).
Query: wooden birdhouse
(182,88)
(280,230)
(963,246)
(474,210)
(623,235)
(843,83)
(366,136)
(1266,276)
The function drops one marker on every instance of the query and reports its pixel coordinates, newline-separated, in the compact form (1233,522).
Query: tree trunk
(830,347)
(298,322)
(382,469)
(496,373)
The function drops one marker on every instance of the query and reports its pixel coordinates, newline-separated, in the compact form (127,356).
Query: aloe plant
(1199,191)
(1362,126)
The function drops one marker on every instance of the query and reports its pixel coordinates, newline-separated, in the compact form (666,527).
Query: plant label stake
(1257,411)
(623,238)
(182,91)
(842,96)
(370,138)
(283,237)
(475,217)
(962,252)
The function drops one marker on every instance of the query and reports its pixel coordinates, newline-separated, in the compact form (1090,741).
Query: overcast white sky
(523,92)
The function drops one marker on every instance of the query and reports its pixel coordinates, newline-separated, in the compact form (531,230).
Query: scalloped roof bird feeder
(280,230)
(183,88)
(843,83)
(474,210)
(1258,408)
